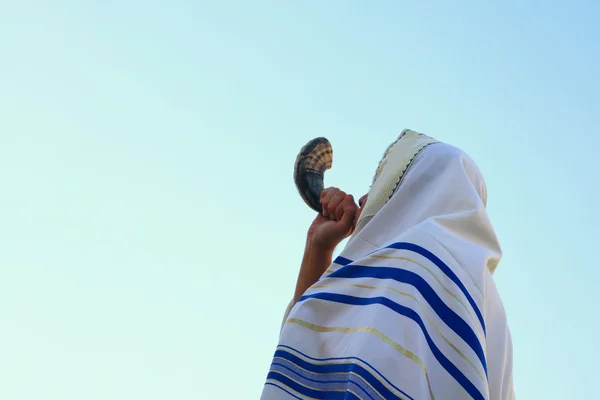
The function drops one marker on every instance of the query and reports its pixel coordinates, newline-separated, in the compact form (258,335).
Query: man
(409,309)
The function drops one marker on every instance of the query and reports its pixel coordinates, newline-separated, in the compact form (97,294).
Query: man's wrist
(318,247)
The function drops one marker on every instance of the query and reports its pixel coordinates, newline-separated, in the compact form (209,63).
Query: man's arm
(327,230)
(314,263)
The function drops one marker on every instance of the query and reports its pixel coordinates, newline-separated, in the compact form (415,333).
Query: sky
(150,230)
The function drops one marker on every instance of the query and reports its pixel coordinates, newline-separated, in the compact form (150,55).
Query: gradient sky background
(150,231)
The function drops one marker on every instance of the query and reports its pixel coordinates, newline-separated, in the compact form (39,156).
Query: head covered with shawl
(429,186)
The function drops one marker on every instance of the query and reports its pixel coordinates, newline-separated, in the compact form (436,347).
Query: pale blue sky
(150,232)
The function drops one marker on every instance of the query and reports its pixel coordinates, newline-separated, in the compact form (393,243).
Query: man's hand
(336,221)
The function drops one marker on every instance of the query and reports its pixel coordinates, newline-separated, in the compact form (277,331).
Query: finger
(329,193)
(333,203)
(339,211)
(349,211)
(325,196)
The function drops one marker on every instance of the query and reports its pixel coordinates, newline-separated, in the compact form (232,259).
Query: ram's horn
(314,159)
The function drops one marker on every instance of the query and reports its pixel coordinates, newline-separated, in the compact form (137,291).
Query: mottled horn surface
(314,159)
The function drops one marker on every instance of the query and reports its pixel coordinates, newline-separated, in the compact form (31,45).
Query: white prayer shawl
(409,309)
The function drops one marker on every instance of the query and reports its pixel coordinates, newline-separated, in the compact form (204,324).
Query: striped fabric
(402,288)
(305,374)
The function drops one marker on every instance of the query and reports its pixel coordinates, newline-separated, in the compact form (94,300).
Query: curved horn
(314,159)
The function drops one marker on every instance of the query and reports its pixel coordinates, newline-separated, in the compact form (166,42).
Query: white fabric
(401,312)
(391,171)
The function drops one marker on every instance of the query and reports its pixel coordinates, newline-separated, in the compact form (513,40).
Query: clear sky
(150,231)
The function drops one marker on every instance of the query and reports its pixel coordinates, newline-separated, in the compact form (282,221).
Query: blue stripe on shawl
(317,394)
(379,376)
(280,388)
(326,383)
(344,368)
(450,318)
(444,268)
(342,261)
(410,313)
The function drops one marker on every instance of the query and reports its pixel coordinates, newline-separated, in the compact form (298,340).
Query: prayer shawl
(409,309)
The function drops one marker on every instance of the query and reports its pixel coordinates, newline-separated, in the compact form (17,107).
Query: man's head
(395,163)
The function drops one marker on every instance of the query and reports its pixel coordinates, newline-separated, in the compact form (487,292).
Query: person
(409,309)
